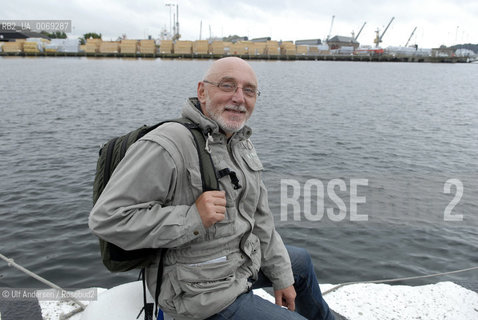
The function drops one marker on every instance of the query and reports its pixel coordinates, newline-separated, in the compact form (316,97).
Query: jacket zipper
(244,184)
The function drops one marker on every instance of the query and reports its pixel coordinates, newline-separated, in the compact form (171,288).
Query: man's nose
(238,96)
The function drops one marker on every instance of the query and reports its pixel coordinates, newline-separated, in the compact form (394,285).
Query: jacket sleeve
(134,209)
(275,262)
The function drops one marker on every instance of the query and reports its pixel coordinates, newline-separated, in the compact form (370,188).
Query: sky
(438,22)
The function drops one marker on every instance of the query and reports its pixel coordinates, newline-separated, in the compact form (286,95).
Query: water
(404,129)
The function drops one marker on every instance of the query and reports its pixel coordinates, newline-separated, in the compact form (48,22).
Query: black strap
(232,175)
(147,307)
(159,280)
(109,160)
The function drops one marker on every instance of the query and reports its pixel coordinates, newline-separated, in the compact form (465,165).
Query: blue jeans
(309,303)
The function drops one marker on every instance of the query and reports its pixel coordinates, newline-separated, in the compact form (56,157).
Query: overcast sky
(438,21)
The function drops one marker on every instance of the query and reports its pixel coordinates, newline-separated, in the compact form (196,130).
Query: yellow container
(183,47)
(129,46)
(147,47)
(109,47)
(217,47)
(12,47)
(272,48)
(93,45)
(238,48)
(301,49)
(273,51)
(129,42)
(128,49)
(166,46)
(147,43)
(166,43)
(30,45)
(288,48)
(258,48)
(201,47)
(91,48)
(313,50)
(96,42)
(272,44)
(147,50)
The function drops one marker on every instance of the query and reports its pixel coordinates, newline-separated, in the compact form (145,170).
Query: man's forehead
(234,79)
(239,70)
(239,77)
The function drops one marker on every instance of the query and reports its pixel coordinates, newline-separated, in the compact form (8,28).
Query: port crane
(378,38)
(356,37)
(330,31)
(413,32)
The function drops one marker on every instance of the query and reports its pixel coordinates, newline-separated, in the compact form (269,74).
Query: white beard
(216,115)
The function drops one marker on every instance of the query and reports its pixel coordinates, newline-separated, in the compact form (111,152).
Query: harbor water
(372,167)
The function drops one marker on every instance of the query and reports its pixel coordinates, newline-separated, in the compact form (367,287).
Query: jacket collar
(192,111)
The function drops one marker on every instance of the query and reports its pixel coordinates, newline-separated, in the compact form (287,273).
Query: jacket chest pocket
(253,162)
(253,175)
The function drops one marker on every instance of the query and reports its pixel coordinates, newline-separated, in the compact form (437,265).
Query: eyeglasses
(231,86)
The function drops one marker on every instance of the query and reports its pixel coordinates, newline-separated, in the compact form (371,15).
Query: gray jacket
(149,202)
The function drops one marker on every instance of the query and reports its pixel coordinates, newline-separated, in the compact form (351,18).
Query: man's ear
(201,93)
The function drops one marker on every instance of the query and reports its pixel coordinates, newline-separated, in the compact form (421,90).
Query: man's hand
(212,207)
(286,298)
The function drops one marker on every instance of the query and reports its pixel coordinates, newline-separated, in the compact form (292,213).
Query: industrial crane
(356,37)
(330,31)
(413,32)
(378,38)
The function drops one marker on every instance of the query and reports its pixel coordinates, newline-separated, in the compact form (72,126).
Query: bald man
(221,244)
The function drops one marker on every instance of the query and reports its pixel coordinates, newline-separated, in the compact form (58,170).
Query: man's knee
(299,257)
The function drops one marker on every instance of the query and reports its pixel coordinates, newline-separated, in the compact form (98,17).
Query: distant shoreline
(328,57)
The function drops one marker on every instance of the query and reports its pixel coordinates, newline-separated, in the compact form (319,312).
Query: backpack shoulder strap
(206,166)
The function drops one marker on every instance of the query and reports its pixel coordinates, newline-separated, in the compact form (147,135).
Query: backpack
(114,258)
(117,259)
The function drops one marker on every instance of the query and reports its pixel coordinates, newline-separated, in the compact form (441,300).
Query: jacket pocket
(253,161)
(205,277)
(252,248)
(200,290)
(169,296)
(225,227)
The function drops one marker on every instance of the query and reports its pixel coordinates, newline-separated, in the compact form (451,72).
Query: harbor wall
(319,57)
(202,49)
